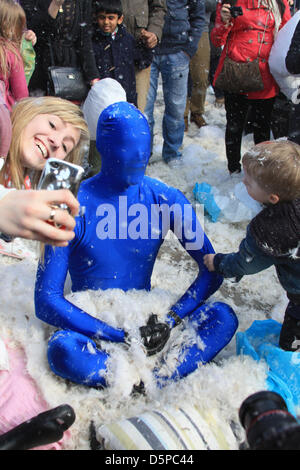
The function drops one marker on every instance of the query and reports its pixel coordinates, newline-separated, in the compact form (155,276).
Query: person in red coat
(245,38)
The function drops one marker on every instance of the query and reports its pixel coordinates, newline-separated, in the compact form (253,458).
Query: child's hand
(209,262)
(30,35)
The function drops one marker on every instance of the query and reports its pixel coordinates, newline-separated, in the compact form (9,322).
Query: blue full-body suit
(115,246)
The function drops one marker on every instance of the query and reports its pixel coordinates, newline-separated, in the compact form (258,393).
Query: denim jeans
(174,69)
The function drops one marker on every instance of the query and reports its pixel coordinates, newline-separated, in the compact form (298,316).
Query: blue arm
(52,307)
(197,244)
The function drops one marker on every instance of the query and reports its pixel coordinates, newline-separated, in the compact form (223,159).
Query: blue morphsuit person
(127,216)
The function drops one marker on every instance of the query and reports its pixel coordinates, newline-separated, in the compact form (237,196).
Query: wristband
(175,317)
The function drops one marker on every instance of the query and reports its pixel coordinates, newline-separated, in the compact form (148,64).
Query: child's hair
(275,166)
(22,114)
(12,26)
(108,6)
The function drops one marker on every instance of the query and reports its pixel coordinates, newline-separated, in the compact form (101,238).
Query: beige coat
(140,14)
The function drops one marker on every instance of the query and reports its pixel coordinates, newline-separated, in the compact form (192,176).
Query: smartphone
(58,174)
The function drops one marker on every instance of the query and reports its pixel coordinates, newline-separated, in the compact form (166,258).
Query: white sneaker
(18,248)
(175,163)
(237,175)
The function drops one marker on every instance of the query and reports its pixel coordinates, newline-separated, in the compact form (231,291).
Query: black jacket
(292,61)
(117,58)
(69,35)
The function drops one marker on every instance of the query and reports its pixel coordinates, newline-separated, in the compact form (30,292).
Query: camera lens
(268,423)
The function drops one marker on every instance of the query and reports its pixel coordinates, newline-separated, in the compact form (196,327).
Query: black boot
(289,339)
(43,429)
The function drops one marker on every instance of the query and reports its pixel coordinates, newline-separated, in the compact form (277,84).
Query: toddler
(272,177)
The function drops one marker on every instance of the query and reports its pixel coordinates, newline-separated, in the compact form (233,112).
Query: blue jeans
(174,69)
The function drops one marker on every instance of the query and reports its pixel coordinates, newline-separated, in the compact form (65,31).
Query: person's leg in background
(175,71)
(215,53)
(280,116)
(142,78)
(188,102)
(236,107)
(262,119)
(151,96)
(294,123)
(199,70)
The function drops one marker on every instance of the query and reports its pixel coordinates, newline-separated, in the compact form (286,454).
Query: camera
(236,11)
(268,423)
(58,174)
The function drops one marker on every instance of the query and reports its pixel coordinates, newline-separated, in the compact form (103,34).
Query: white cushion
(182,428)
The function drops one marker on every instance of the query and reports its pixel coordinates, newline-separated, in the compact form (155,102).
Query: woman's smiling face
(47,135)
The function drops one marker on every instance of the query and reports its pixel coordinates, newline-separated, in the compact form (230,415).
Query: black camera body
(236,11)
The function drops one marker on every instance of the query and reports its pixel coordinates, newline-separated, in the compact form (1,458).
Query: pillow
(104,93)
(182,428)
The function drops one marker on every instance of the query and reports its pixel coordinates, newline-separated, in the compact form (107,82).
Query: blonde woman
(41,128)
(12,26)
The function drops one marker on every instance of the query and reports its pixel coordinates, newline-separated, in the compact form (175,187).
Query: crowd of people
(133,43)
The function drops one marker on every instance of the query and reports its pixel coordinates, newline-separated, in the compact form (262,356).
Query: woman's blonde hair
(275,166)
(22,114)
(12,26)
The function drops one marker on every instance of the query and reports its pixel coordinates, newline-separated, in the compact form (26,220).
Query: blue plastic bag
(261,342)
(203,194)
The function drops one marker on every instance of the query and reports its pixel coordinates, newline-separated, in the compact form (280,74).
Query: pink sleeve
(20,397)
(5,130)
(17,80)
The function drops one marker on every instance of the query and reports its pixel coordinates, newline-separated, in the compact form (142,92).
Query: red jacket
(244,35)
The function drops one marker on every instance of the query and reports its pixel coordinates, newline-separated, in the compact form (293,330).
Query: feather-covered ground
(221,385)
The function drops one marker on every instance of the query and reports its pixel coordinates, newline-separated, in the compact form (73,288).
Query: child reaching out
(12,26)
(272,177)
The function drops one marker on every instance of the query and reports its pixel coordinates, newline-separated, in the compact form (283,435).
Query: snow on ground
(222,384)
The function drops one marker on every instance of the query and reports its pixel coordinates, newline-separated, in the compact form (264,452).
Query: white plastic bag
(287,82)
(238,206)
(4,361)
(104,93)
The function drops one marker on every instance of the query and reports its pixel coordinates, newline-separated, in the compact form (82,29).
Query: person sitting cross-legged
(116,259)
